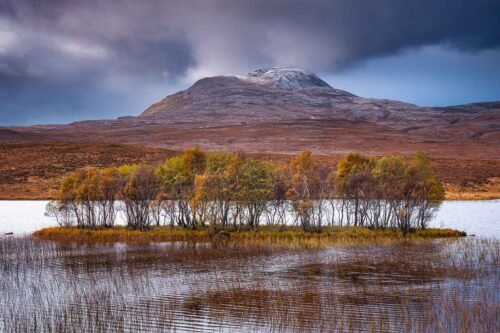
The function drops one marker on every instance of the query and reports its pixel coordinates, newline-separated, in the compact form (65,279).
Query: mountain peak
(287,78)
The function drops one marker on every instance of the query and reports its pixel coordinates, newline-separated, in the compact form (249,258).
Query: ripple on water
(198,288)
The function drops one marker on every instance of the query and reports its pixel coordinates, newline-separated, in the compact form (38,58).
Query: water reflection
(199,287)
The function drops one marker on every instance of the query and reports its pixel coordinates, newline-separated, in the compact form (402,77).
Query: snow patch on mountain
(286,78)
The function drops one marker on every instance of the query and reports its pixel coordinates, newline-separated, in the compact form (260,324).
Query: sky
(69,60)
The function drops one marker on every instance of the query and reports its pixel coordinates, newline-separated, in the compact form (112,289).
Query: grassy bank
(261,235)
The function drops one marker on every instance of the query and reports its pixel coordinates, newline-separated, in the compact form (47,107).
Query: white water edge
(480,218)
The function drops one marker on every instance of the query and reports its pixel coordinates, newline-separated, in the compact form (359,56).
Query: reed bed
(448,285)
(264,235)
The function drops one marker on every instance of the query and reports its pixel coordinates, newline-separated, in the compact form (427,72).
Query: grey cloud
(152,42)
(322,34)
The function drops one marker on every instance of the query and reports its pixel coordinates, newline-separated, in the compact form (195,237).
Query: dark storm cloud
(138,47)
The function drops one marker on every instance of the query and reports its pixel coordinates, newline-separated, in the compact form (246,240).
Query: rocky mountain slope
(281,94)
(275,112)
(283,110)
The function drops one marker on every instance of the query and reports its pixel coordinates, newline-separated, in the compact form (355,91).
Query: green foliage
(218,186)
(390,173)
(257,181)
(126,169)
(175,178)
(351,165)
(429,187)
(256,188)
(222,189)
(179,172)
(410,190)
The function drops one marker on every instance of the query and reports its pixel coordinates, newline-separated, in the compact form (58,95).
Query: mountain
(292,94)
(283,110)
(264,89)
(286,78)
(272,111)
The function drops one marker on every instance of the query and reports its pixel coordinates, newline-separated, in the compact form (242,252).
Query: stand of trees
(196,189)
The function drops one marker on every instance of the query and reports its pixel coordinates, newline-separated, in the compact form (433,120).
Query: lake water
(449,286)
(480,218)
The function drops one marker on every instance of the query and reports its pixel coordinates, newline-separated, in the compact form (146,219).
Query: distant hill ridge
(285,110)
(293,93)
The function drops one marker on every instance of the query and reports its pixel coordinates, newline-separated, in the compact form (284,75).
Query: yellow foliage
(262,235)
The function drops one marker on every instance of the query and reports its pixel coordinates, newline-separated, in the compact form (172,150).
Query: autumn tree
(194,188)
(390,174)
(87,198)
(304,189)
(323,201)
(423,192)
(178,176)
(67,208)
(107,194)
(87,194)
(139,187)
(256,187)
(354,182)
(277,207)
(216,189)
(410,189)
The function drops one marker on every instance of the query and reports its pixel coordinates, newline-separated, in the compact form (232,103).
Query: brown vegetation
(443,286)
(264,235)
(34,169)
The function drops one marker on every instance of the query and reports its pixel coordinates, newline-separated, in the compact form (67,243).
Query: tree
(221,188)
(216,189)
(139,187)
(256,188)
(178,176)
(107,193)
(67,199)
(390,174)
(354,182)
(277,207)
(429,192)
(411,190)
(304,189)
(87,194)
(87,198)
(161,209)
(64,217)
(324,196)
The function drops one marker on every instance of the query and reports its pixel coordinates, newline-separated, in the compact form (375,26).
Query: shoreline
(263,235)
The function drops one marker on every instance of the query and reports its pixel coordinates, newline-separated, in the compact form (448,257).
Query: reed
(264,235)
(122,235)
(445,285)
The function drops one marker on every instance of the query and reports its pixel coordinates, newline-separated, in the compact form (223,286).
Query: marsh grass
(122,234)
(396,268)
(264,235)
(447,285)
(411,287)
